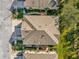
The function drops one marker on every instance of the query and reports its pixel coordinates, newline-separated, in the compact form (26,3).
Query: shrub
(20,13)
(52,12)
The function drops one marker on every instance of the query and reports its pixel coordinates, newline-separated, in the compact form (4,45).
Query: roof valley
(29,24)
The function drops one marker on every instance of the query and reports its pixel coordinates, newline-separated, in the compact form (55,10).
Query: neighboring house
(40,4)
(40,55)
(34,7)
(35,4)
(39,30)
(37,55)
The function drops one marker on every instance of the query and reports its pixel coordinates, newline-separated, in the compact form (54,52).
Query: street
(5,28)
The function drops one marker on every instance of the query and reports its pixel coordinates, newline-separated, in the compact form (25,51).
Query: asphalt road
(5,28)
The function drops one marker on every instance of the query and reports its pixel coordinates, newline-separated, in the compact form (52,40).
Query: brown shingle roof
(40,24)
(38,37)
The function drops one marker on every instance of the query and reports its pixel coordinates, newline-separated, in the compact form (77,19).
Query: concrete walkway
(5,28)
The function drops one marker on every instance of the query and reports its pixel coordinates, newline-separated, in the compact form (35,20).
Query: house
(39,30)
(35,4)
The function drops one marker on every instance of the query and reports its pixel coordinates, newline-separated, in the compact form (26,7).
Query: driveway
(5,28)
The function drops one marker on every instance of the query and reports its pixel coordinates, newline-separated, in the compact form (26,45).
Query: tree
(77,5)
(68,42)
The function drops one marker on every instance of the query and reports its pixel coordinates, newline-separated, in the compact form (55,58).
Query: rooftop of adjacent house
(38,26)
(40,4)
(41,55)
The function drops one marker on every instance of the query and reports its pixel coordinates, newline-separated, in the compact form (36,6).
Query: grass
(30,48)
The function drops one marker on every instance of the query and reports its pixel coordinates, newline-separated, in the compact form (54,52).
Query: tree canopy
(69,30)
